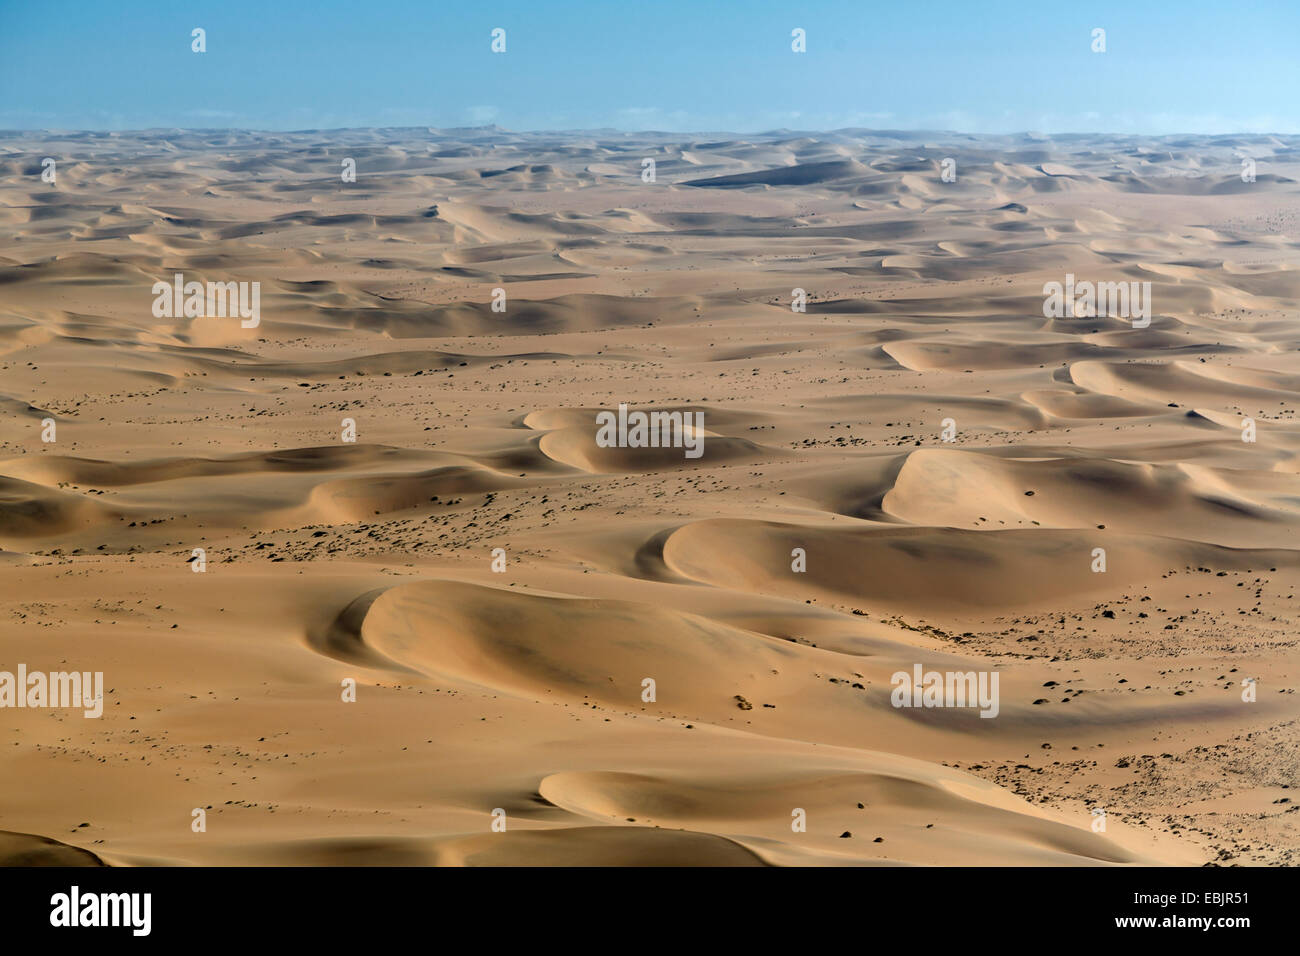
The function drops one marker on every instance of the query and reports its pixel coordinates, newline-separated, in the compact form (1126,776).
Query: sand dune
(967,489)
(571,652)
(24,849)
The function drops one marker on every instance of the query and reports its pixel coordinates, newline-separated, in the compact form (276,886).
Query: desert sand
(516,695)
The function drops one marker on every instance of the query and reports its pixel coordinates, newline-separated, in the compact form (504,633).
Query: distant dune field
(567,651)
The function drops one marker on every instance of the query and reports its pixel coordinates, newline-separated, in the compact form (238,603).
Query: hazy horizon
(650,131)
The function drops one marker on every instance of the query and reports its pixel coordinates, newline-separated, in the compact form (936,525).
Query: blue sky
(703,65)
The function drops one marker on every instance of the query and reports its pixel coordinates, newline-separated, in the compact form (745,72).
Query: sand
(500,586)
